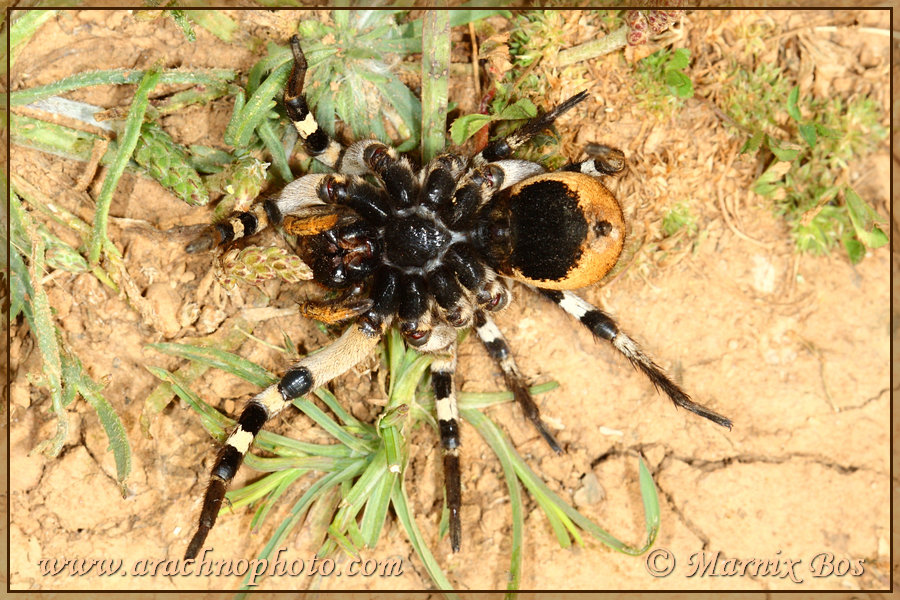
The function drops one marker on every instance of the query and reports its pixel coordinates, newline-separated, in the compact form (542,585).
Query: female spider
(428,250)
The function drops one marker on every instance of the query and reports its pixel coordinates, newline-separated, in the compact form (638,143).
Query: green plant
(679,218)
(365,467)
(355,67)
(33,250)
(661,83)
(62,374)
(808,158)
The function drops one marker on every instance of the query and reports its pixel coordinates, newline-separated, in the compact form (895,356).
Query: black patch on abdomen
(548,229)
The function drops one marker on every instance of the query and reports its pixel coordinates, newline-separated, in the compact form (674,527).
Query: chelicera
(430,250)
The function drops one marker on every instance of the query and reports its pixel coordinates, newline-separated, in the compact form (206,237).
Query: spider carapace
(428,250)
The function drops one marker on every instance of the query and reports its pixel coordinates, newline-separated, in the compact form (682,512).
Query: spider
(429,250)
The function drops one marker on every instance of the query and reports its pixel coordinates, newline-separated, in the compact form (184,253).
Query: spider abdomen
(561,230)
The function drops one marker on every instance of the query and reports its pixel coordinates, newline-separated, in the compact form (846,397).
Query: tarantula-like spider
(428,250)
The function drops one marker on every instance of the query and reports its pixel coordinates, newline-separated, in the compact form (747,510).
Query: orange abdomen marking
(566,231)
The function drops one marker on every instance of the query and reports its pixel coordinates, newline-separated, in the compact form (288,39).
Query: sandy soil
(795,349)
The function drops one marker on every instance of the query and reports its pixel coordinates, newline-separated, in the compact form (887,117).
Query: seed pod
(254,265)
(241,181)
(167,162)
(60,255)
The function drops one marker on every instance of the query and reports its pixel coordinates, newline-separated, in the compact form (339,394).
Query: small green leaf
(863,218)
(680,59)
(785,151)
(827,131)
(466,126)
(792,109)
(522,109)
(752,144)
(772,178)
(808,131)
(679,84)
(855,249)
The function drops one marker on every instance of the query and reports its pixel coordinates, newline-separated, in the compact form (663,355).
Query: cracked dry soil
(794,349)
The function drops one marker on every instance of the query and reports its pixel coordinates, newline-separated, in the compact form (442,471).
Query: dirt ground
(795,349)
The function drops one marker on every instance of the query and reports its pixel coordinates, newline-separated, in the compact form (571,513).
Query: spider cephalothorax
(428,250)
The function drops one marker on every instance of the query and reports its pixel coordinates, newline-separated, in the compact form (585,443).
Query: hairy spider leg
(504,147)
(605,160)
(295,197)
(315,140)
(498,349)
(334,311)
(313,371)
(603,327)
(479,186)
(394,170)
(442,370)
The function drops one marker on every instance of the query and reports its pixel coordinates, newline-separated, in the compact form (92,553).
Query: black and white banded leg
(603,327)
(504,147)
(313,371)
(499,350)
(296,197)
(605,160)
(442,369)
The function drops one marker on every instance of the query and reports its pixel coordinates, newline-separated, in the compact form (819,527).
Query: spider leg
(293,198)
(499,350)
(315,140)
(393,169)
(504,147)
(442,370)
(450,296)
(355,192)
(236,226)
(603,327)
(312,220)
(605,161)
(311,372)
(478,187)
(332,312)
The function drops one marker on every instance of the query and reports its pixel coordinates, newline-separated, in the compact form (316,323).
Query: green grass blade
(651,504)
(554,506)
(127,143)
(299,509)
(326,423)
(401,506)
(479,400)
(212,420)
(259,104)
(213,77)
(258,490)
(23,28)
(40,320)
(285,446)
(518,521)
(109,420)
(269,137)
(346,418)
(226,361)
(240,100)
(274,494)
(55,139)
